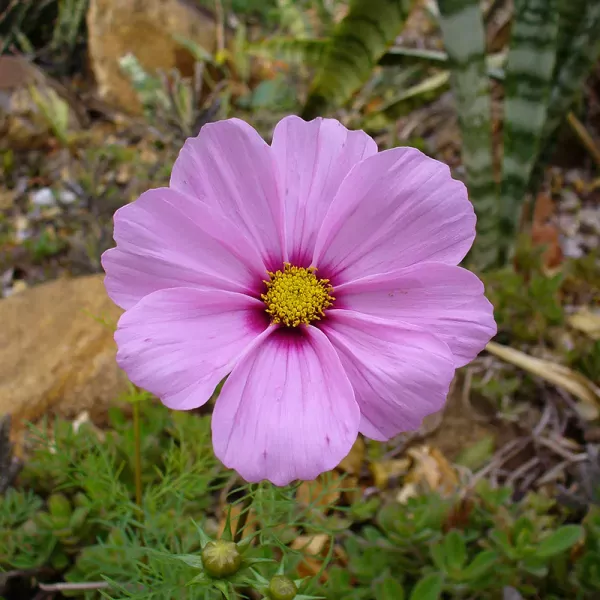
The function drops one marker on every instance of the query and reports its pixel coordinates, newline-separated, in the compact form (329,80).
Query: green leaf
(54,110)
(338,578)
(481,564)
(272,94)
(464,39)
(501,539)
(388,589)
(79,517)
(529,69)
(227,534)
(433,86)
(571,13)
(199,53)
(475,456)
(193,560)
(204,539)
(400,56)
(59,506)
(455,550)
(439,556)
(428,588)
(224,588)
(535,566)
(358,42)
(581,41)
(253,561)
(202,579)
(417,95)
(559,541)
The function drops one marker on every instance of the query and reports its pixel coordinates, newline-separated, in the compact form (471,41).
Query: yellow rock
(55,355)
(146,29)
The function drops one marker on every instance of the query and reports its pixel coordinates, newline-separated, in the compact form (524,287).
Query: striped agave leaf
(358,42)
(570,74)
(464,38)
(571,13)
(529,70)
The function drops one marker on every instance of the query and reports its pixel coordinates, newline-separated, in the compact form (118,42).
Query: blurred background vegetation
(496,497)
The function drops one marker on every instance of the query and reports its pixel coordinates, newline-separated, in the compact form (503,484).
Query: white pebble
(43,197)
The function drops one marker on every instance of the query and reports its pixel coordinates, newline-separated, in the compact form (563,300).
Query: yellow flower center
(294,295)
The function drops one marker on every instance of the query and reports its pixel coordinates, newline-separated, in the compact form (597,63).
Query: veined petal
(399,374)
(393,210)
(181,342)
(287,411)
(313,158)
(445,300)
(231,168)
(168,239)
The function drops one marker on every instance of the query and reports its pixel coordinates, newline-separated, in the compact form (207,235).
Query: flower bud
(282,588)
(221,558)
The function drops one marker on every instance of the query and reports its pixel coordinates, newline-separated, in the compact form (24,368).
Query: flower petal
(166,239)
(400,374)
(313,158)
(230,167)
(287,411)
(180,343)
(393,210)
(445,300)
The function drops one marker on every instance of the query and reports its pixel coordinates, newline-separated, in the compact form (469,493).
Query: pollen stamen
(295,295)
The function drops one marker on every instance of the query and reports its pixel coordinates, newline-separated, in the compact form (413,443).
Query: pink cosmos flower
(317,272)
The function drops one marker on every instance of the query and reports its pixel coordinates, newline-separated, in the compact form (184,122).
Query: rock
(570,201)
(147,29)
(571,247)
(43,197)
(47,197)
(568,224)
(55,357)
(590,220)
(22,123)
(67,196)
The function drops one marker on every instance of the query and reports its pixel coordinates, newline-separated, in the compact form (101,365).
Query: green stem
(137,436)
